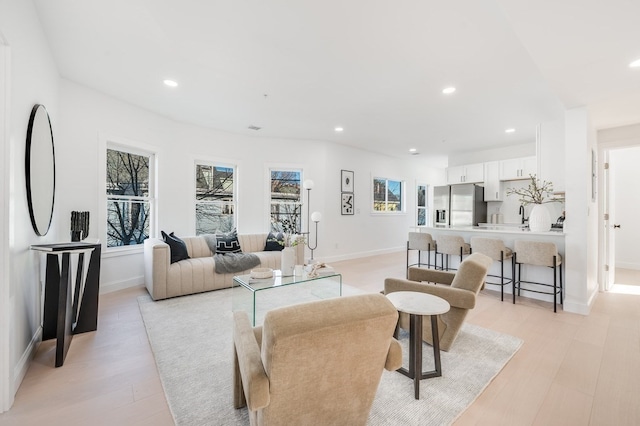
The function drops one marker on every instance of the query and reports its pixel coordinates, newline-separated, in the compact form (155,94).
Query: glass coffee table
(257,296)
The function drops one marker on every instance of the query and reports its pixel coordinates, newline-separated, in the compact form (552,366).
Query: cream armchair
(316,363)
(459,289)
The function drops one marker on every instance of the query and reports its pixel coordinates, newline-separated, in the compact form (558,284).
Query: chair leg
(501,276)
(513,279)
(555,285)
(561,287)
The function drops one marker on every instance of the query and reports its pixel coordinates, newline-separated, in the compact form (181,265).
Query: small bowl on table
(261,273)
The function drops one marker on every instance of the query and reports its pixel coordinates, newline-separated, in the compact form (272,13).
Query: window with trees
(421,203)
(129,197)
(387,195)
(215,200)
(286,201)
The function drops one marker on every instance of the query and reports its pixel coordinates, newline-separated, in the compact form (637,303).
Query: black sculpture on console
(79,225)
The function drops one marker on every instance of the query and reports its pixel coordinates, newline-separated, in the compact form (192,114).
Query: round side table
(417,305)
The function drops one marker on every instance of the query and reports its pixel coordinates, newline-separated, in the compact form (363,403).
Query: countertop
(497,229)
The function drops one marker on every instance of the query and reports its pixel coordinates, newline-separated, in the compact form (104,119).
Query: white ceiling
(377,68)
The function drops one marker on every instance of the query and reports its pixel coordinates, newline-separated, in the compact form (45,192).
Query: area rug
(191,340)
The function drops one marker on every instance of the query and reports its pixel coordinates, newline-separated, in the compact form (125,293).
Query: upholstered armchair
(315,363)
(459,289)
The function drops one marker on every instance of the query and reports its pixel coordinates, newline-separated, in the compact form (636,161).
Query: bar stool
(537,253)
(420,241)
(451,244)
(496,250)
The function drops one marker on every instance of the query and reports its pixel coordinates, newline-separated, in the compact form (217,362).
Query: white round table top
(413,302)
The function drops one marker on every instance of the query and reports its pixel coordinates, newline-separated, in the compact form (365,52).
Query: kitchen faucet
(521,213)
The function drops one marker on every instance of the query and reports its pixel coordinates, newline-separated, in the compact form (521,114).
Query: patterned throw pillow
(177,247)
(228,242)
(274,242)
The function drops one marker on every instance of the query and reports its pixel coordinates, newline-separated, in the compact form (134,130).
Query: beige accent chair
(451,245)
(496,250)
(537,253)
(460,290)
(420,241)
(315,363)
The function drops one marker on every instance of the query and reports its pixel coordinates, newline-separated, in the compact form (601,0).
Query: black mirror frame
(27,166)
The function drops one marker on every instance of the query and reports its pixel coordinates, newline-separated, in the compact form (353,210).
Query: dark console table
(69,309)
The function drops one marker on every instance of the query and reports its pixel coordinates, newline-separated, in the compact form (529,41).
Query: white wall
(623,166)
(89,116)
(33,79)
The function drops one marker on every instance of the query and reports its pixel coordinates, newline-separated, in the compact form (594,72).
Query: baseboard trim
(121,285)
(358,255)
(628,265)
(20,370)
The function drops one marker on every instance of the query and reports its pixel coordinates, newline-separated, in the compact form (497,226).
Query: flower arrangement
(288,229)
(534,193)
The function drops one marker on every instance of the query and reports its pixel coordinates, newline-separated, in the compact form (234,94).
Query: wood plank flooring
(571,370)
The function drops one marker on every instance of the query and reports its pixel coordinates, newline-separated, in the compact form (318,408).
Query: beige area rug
(191,340)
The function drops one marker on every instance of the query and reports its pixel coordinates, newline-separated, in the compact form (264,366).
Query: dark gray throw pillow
(274,242)
(228,242)
(211,242)
(177,247)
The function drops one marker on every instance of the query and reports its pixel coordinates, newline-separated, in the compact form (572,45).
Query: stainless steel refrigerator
(459,205)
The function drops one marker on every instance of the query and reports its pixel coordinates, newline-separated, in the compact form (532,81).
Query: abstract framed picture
(346,179)
(347,203)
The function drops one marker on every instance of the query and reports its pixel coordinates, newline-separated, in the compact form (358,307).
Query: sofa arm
(457,297)
(252,382)
(157,259)
(394,356)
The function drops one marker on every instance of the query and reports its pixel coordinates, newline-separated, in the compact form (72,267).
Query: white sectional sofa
(164,279)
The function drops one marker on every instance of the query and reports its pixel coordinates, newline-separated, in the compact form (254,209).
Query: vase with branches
(534,193)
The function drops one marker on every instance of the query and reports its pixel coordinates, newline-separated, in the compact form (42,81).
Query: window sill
(123,251)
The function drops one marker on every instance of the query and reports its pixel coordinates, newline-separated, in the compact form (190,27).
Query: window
(215,200)
(129,200)
(387,195)
(421,204)
(286,201)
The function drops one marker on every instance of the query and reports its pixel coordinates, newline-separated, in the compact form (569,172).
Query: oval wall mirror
(40,170)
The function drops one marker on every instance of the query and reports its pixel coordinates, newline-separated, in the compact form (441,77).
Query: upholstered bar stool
(496,250)
(420,241)
(451,245)
(537,253)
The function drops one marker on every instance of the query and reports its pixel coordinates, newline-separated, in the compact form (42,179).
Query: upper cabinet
(492,188)
(471,173)
(518,168)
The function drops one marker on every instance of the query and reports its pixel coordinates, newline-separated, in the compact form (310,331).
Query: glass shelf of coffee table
(257,296)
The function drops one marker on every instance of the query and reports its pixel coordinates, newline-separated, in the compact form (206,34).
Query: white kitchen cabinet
(518,168)
(492,190)
(470,173)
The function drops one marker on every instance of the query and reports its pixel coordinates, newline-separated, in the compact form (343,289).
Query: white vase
(539,219)
(287,261)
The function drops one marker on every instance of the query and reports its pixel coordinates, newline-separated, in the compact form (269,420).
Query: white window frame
(426,204)
(214,163)
(133,147)
(403,190)
(287,168)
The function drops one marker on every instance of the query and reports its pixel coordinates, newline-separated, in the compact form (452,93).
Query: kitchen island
(508,234)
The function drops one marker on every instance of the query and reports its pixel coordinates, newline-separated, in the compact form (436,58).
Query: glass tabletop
(257,284)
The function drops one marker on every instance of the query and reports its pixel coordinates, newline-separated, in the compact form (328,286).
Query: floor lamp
(315,217)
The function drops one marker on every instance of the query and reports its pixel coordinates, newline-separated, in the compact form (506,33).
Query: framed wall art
(347,203)
(346,179)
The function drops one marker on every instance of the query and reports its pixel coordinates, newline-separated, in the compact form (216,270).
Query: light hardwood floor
(571,369)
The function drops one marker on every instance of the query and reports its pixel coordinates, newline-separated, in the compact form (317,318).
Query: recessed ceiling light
(412,150)
(170,83)
(510,130)
(635,64)
(339,129)
(448,90)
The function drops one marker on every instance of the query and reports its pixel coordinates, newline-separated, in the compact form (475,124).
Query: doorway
(621,208)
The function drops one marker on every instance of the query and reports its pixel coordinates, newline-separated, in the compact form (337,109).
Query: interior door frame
(6,395)
(606,236)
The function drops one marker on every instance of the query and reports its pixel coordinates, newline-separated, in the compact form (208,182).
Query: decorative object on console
(177,247)
(40,170)
(79,225)
(346,179)
(347,203)
(539,218)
